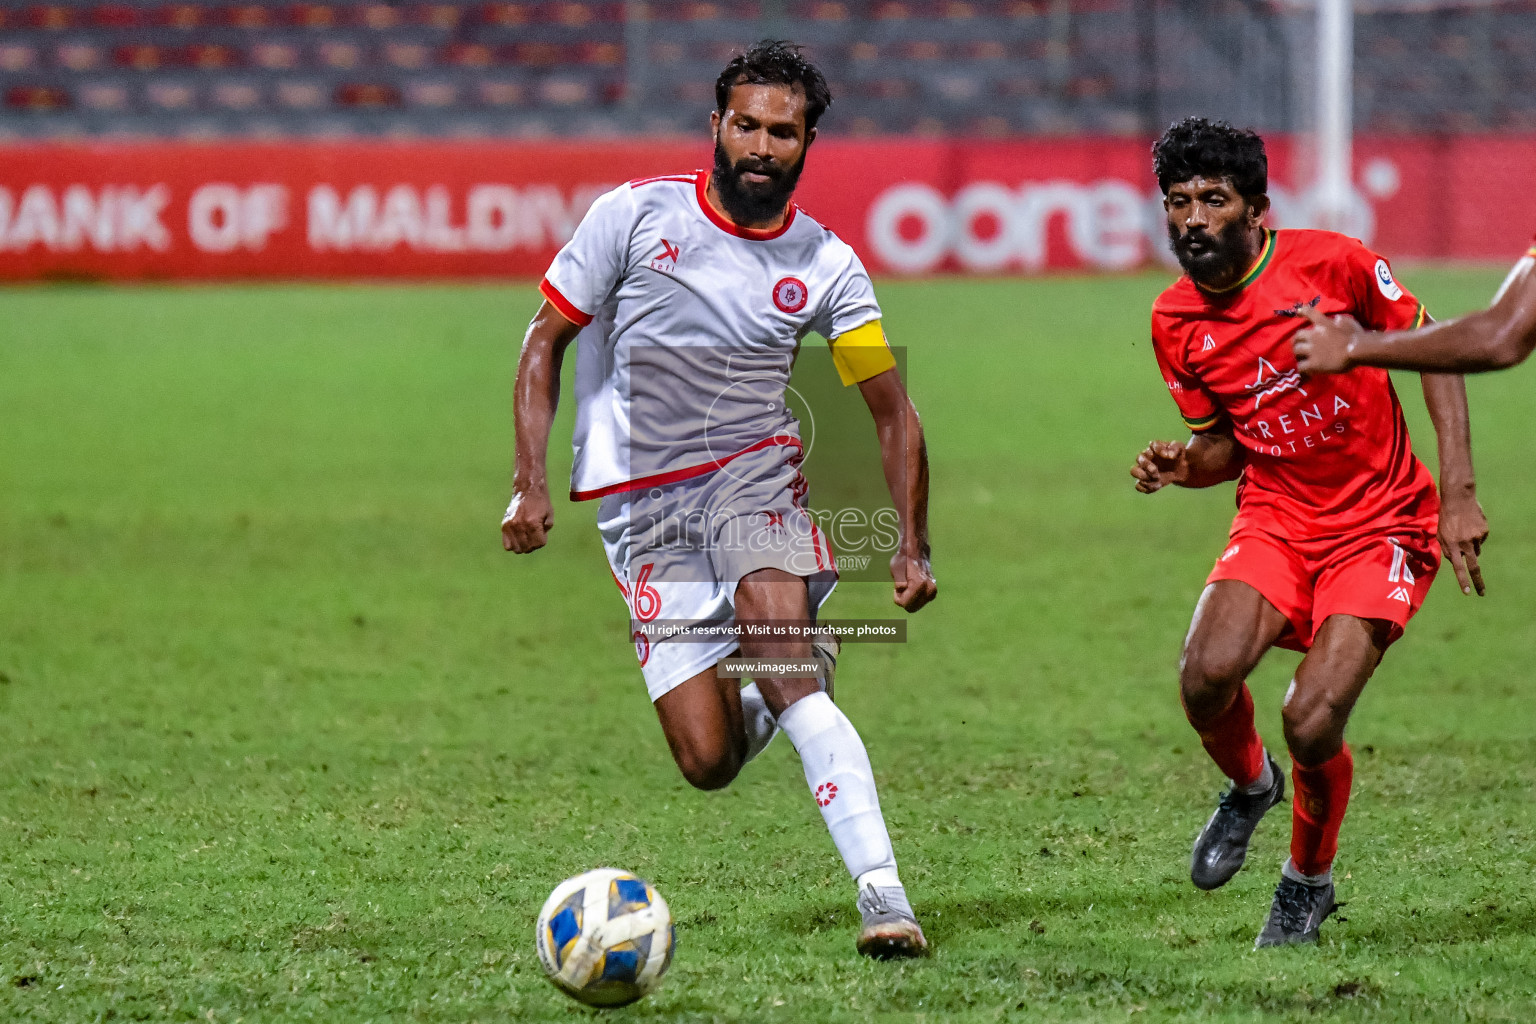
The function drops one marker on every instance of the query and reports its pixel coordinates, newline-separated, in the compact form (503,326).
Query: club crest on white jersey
(790,294)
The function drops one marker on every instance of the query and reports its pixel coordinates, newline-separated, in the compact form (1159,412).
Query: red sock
(1317,811)
(1233,742)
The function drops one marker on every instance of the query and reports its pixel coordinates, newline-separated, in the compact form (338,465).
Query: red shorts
(1380,573)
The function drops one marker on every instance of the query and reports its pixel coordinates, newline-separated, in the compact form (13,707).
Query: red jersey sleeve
(1532,250)
(1195,403)
(1381,302)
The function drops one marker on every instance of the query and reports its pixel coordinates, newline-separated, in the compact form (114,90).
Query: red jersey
(1324,456)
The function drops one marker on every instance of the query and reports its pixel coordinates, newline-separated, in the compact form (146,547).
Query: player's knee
(1314,729)
(1208,680)
(707,765)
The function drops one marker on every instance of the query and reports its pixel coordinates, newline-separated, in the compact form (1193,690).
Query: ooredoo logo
(790,294)
(826,793)
(1111,224)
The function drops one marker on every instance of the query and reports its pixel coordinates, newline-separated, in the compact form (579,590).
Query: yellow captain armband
(861,353)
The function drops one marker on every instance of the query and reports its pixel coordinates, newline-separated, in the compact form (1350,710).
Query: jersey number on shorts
(646,599)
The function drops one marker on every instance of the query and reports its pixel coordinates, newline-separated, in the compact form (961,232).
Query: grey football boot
(1297,913)
(890,931)
(1222,846)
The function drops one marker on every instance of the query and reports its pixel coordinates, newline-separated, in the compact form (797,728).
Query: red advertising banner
(501,210)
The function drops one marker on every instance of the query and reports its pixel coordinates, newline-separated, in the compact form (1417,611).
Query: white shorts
(678,552)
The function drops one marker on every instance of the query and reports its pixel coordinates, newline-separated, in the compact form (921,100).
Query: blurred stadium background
(932,67)
(1017,128)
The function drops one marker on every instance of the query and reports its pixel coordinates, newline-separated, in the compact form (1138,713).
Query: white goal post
(1335,110)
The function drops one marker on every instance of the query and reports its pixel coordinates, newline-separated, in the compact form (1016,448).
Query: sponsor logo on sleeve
(1384,281)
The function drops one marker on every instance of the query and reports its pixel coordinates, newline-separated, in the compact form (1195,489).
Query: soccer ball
(605,937)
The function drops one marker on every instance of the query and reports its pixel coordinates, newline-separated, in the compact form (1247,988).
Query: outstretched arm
(1500,336)
(904,457)
(1210,458)
(1463,527)
(531,516)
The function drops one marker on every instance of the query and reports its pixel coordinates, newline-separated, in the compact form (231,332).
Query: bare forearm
(1212,459)
(536,395)
(1446,396)
(1486,340)
(533,410)
(904,458)
(1491,339)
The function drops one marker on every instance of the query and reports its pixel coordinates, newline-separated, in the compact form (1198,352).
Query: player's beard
(754,202)
(1210,258)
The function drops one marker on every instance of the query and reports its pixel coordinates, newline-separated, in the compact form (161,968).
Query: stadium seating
(510,67)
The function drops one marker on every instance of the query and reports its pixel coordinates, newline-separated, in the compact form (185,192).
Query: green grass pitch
(285,736)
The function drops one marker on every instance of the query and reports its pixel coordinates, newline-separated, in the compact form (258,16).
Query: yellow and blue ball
(605,937)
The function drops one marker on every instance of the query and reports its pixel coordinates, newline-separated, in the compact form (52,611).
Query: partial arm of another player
(904,457)
(1500,336)
(1210,458)
(531,515)
(1463,527)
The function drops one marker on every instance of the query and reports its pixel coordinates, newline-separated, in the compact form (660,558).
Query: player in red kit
(1334,544)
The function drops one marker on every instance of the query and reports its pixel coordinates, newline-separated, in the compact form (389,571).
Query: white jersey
(690,328)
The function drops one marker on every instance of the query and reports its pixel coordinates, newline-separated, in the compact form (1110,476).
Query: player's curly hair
(776,62)
(1198,148)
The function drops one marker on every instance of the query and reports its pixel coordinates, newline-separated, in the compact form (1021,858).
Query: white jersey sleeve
(587,270)
(849,300)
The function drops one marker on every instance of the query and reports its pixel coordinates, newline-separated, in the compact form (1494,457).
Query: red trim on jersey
(564,305)
(797,489)
(663,177)
(701,187)
(675,475)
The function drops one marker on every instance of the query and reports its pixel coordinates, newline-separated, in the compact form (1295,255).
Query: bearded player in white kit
(690,295)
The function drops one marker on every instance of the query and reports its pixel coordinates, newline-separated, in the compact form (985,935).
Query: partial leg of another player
(1232,628)
(1329,680)
(837,767)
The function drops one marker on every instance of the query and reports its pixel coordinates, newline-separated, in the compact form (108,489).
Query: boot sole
(892,942)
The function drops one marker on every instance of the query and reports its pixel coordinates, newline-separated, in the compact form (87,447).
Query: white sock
(1289,871)
(1265,780)
(761,728)
(837,770)
(880,878)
